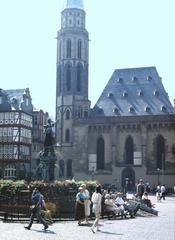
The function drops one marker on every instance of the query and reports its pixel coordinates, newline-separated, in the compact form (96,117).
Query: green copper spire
(74,4)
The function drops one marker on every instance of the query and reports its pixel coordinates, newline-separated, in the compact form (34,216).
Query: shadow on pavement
(43,231)
(111,233)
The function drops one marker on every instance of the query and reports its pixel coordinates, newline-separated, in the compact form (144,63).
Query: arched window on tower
(68,78)
(60,48)
(160,152)
(67,135)
(129,150)
(59,79)
(79,77)
(69,168)
(100,154)
(67,114)
(79,48)
(69,48)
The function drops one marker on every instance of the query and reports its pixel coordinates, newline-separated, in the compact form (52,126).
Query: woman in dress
(87,202)
(96,200)
(79,206)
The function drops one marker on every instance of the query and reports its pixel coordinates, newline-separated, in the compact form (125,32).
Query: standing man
(140,189)
(162,191)
(36,211)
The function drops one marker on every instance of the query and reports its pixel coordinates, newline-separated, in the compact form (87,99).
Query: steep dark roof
(17,99)
(4,101)
(134,91)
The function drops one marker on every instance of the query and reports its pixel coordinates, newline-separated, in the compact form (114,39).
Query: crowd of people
(113,202)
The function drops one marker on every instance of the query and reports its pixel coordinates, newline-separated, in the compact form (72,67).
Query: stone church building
(128,134)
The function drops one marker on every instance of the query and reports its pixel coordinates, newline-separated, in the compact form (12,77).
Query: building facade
(16,124)
(21,134)
(127,135)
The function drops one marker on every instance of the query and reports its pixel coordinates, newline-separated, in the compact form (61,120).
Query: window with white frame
(10,171)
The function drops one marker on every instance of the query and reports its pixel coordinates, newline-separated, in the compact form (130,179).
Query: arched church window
(68,78)
(79,48)
(129,150)
(61,169)
(79,77)
(67,135)
(67,114)
(160,152)
(69,48)
(69,168)
(100,154)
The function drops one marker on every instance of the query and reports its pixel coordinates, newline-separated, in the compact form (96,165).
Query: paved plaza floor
(143,227)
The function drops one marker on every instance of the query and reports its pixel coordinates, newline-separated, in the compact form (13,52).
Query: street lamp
(158,174)
(92,173)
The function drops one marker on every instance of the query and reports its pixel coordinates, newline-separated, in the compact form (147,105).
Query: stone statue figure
(49,139)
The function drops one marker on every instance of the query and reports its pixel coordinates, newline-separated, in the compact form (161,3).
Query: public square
(142,227)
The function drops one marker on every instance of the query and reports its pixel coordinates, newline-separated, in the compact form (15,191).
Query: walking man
(36,211)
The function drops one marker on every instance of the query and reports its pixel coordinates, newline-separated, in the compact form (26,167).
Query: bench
(14,212)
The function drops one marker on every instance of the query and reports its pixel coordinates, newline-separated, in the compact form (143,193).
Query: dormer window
(163,108)
(125,94)
(115,110)
(140,93)
(134,79)
(0,99)
(110,94)
(156,93)
(131,109)
(119,79)
(100,110)
(149,78)
(147,109)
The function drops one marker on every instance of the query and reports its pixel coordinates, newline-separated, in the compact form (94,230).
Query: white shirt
(96,199)
(119,201)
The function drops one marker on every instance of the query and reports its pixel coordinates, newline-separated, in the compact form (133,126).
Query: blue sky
(123,34)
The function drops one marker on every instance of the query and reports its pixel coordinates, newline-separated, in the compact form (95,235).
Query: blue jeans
(37,214)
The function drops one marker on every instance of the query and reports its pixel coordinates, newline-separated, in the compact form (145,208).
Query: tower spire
(74,4)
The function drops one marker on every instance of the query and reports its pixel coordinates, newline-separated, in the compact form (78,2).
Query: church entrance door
(128,179)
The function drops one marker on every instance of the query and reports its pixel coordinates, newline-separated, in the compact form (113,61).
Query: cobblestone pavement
(143,227)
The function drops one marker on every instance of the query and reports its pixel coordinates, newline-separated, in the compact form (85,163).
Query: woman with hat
(87,202)
(79,206)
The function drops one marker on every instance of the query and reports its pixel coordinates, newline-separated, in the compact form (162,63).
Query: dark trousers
(37,214)
(163,196)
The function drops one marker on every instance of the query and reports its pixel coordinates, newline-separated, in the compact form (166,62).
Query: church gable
(134,91)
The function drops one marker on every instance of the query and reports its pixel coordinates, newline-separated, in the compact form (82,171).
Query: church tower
(72,71)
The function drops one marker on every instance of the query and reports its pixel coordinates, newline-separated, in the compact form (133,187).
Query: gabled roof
(133,91)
